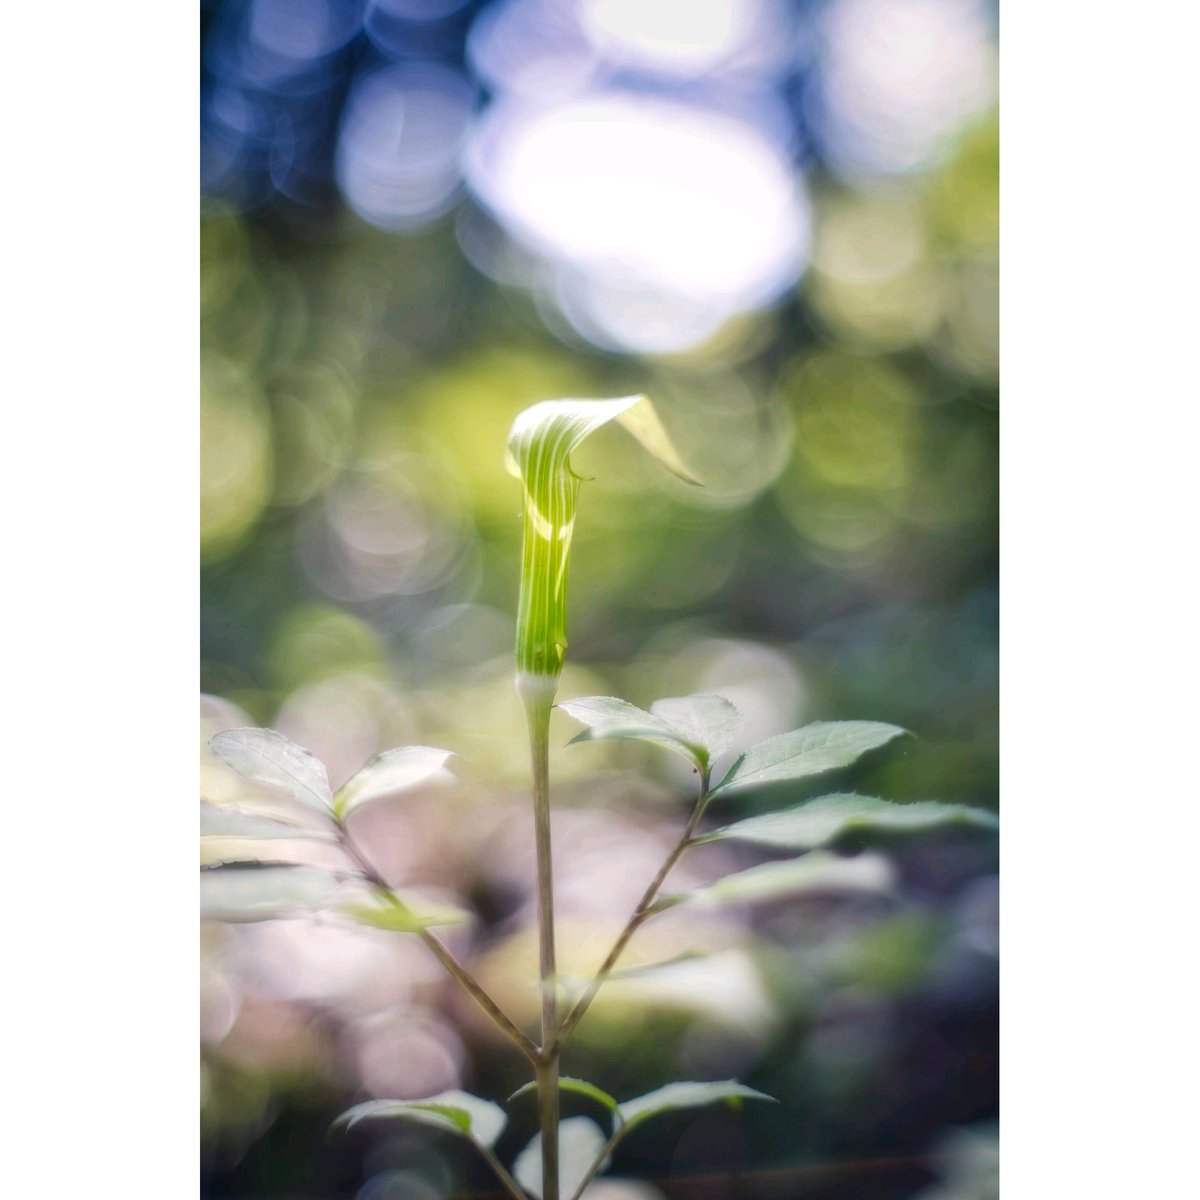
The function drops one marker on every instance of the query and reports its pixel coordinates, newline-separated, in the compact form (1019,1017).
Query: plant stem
(640,915)
(475,990)
(468,981)
(538,696)
(601,1158)
(509,1183)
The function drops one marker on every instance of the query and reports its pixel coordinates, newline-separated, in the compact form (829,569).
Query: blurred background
(779,220)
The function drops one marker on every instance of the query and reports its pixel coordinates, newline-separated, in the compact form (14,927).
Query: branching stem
(601,1158)
(510,1184)
(640,915)
(468,981)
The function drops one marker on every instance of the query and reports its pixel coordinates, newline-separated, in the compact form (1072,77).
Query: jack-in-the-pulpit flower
(539,454)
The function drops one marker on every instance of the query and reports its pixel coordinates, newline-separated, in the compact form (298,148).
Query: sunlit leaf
(580,1087)
(708,721)
(539,449)
(456,1112)
(823,820)
(223,851)
(812,874)
(813,750)
(223,821)
(698,727)
(677,1096)
(387,773)
(607,717)
(400,913)
(725,988)
(575,984)
(267,757)
(259,893)
(580,1142)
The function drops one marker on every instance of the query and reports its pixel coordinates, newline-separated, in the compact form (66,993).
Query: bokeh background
(780,221)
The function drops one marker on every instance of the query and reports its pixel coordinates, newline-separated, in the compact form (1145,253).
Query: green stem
(537,692)
(509,1183)
(640,915)
(469,983)
(601,1158)
(480,996)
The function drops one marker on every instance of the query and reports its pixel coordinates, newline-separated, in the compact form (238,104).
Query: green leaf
(223,821)
(232,835)
(400,913)
(260,893)
(580,1087)
(468,1116)
(677,1096)
(708,721)
(575,985)
(698,727)
(813,750)
(607,717)
(221,852)
(823,820)
(580,1143)
(812,874)
(387,773)
(539,450)
(267,757)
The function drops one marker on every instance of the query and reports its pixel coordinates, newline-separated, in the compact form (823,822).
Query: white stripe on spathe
(539,450)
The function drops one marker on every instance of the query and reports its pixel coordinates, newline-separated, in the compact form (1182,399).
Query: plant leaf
(812,874)
(607,717)
(574,985)
(823,820)
(580,1142)
(225,821)
(260,893)
(539,450)
(580,1087)
(707,721)
(230,835)
(267,757)
(812,750)
(677,1096)
(478,1120)
(387,773)
(401,913)
(725,988)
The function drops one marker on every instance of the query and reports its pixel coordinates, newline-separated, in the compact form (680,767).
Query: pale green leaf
(580,1143)
(607,717)
(580,1087)
(812,874)
(388,773)
(698,727)
(707,721)
(267,757)
(259,893)
(400,913)
(823,820)
(456,1112)
(725,988)
(539,450)
(677,1096)
(812,750)
(574,985)
(224,821)
(223,851)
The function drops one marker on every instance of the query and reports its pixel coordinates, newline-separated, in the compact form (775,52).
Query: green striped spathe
(539,452)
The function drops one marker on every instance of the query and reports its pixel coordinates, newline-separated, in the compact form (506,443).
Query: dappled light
(778,222)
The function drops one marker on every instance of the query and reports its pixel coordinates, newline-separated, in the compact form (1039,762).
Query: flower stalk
(539,449)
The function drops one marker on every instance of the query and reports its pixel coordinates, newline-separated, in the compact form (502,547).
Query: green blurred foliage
(360,539)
